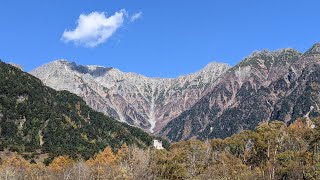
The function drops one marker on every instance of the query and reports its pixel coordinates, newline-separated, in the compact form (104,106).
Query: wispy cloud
(136,16)
(95,28)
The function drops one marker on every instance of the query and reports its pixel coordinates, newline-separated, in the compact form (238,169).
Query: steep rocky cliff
(217,101)
(281,85)
(148,103)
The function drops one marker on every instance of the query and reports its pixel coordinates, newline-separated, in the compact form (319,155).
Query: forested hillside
(273,151)
(35,119)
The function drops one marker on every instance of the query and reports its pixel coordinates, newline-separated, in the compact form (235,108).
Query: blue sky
(169,39)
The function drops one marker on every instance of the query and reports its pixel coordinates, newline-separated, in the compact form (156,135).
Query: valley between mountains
(215,102)
(257,120)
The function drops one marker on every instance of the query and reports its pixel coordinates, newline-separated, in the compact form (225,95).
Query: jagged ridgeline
(36,118)
(281,85)
(148,103)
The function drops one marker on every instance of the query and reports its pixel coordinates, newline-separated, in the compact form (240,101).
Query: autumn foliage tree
(103,163)
(61,167)
(274,150)
(14,167)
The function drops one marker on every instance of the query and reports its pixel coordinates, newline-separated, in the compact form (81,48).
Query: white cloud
(95,28)
(136,16)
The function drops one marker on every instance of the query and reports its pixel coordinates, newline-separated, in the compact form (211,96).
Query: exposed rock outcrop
(280,85)
(148,103)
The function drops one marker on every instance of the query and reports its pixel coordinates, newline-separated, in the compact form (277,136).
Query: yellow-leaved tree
(103,163)
(61,167)
(14,167)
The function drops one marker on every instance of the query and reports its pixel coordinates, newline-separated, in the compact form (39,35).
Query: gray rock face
(282,85)
(148,103)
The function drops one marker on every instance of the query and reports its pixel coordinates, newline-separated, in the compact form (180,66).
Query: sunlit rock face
(281,85)
(148,103)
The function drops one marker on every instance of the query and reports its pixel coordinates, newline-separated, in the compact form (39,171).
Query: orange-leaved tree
(102,163)
(61,167)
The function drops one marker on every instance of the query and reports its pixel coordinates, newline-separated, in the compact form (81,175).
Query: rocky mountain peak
(279,85)
(211,69)
(266,59)
(148,103)
(257,54)
(285,51)
(60,61)
(215,65)
(93,70)
(315,49)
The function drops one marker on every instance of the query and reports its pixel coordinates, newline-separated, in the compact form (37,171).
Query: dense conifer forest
(35,120)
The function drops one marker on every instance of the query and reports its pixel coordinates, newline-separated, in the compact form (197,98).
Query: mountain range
(217,101)
(148,103)
(282,85)
(36,120)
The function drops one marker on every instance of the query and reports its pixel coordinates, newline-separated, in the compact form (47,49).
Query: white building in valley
(157,144)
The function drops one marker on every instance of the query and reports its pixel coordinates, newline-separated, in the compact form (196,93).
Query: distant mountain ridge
(148,103)
(281,85)
(217,101)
